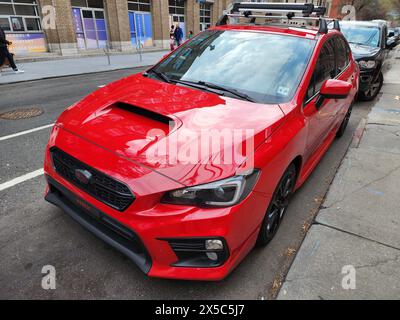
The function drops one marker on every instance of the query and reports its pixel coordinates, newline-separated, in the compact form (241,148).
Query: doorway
(90,28)
(177,19)
(177,14)
(141,29)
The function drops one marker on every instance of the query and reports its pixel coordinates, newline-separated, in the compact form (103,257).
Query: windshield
(266,67)
(367,36)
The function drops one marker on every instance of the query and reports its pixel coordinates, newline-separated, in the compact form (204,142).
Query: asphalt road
(34,233)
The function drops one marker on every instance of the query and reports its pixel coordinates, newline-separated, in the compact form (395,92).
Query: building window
(139,5)
(87,3)
(205,16)
(177,7)
(19,15)
(5,24)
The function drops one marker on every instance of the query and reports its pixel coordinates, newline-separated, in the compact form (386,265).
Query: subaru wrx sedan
(186,167)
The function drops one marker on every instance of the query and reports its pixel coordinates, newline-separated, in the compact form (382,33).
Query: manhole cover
(18,114)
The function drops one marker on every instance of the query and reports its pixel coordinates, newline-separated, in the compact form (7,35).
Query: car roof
(309,32)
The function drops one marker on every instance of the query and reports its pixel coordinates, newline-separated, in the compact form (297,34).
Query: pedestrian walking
(172,43)
(4,53)
(172,31)
(172,38)
(190,34)
(178,35)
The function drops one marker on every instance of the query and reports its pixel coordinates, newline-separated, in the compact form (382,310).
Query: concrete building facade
(69,27)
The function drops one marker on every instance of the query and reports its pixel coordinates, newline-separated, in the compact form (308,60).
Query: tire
(277,207)
(344,124)
(373,91)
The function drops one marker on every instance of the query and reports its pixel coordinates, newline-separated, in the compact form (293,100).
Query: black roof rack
(320,11)
(336,25)
(305,8)
(270,11)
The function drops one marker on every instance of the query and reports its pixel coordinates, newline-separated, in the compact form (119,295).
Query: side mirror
(335,89)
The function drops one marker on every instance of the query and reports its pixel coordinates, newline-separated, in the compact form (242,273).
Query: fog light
(200,252)
(214,245)
(212,256)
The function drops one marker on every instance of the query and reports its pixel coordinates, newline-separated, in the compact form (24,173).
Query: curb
(23,60)
(358,134)
(72,75)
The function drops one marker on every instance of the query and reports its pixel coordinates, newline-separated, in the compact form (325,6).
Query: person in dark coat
(4,53)
(178,35)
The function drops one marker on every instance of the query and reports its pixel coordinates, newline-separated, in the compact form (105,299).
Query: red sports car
(186,167)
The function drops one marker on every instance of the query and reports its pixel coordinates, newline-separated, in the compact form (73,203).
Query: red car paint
(106,138)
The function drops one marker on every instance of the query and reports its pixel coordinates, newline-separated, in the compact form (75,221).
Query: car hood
(172,129)
(361,51)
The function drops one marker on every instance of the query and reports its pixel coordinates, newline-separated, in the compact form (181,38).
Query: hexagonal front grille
(102,187)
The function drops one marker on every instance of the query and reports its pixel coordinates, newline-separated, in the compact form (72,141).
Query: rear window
(361,35)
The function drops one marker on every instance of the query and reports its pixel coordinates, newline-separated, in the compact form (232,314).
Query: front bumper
(368,78)
(106,228)
(149,246)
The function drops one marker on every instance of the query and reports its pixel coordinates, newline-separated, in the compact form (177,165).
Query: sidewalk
(358,225)
(67,67)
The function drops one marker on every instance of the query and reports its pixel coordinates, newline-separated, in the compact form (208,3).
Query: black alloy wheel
(371,93)
(278,206)
(344,124)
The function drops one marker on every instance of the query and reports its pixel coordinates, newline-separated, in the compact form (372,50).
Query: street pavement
(34,233)
(80,65)
(352,250)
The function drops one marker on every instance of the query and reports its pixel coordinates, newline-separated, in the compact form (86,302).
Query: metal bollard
(107,53)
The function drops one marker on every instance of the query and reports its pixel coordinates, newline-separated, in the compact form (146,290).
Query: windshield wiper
(357,43)
(208,85)
(232,91)
(159,74)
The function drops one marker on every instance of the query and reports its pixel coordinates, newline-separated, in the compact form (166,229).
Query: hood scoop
(144,113)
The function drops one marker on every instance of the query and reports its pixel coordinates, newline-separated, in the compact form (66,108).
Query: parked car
(110,162)
(382,22)
(393,37)
(368,42)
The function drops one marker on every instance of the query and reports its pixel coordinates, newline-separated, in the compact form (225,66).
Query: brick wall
(63,38)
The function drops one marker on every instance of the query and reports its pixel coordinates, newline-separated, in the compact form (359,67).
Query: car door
(345,72)
(319,118)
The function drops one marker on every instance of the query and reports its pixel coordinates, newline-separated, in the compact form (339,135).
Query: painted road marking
(26,132)
(21,179)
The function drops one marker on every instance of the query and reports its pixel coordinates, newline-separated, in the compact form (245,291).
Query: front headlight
(222,193)
(367,64)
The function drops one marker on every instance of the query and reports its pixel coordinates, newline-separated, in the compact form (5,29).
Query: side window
(342,54)
(348,50)
(325,69)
